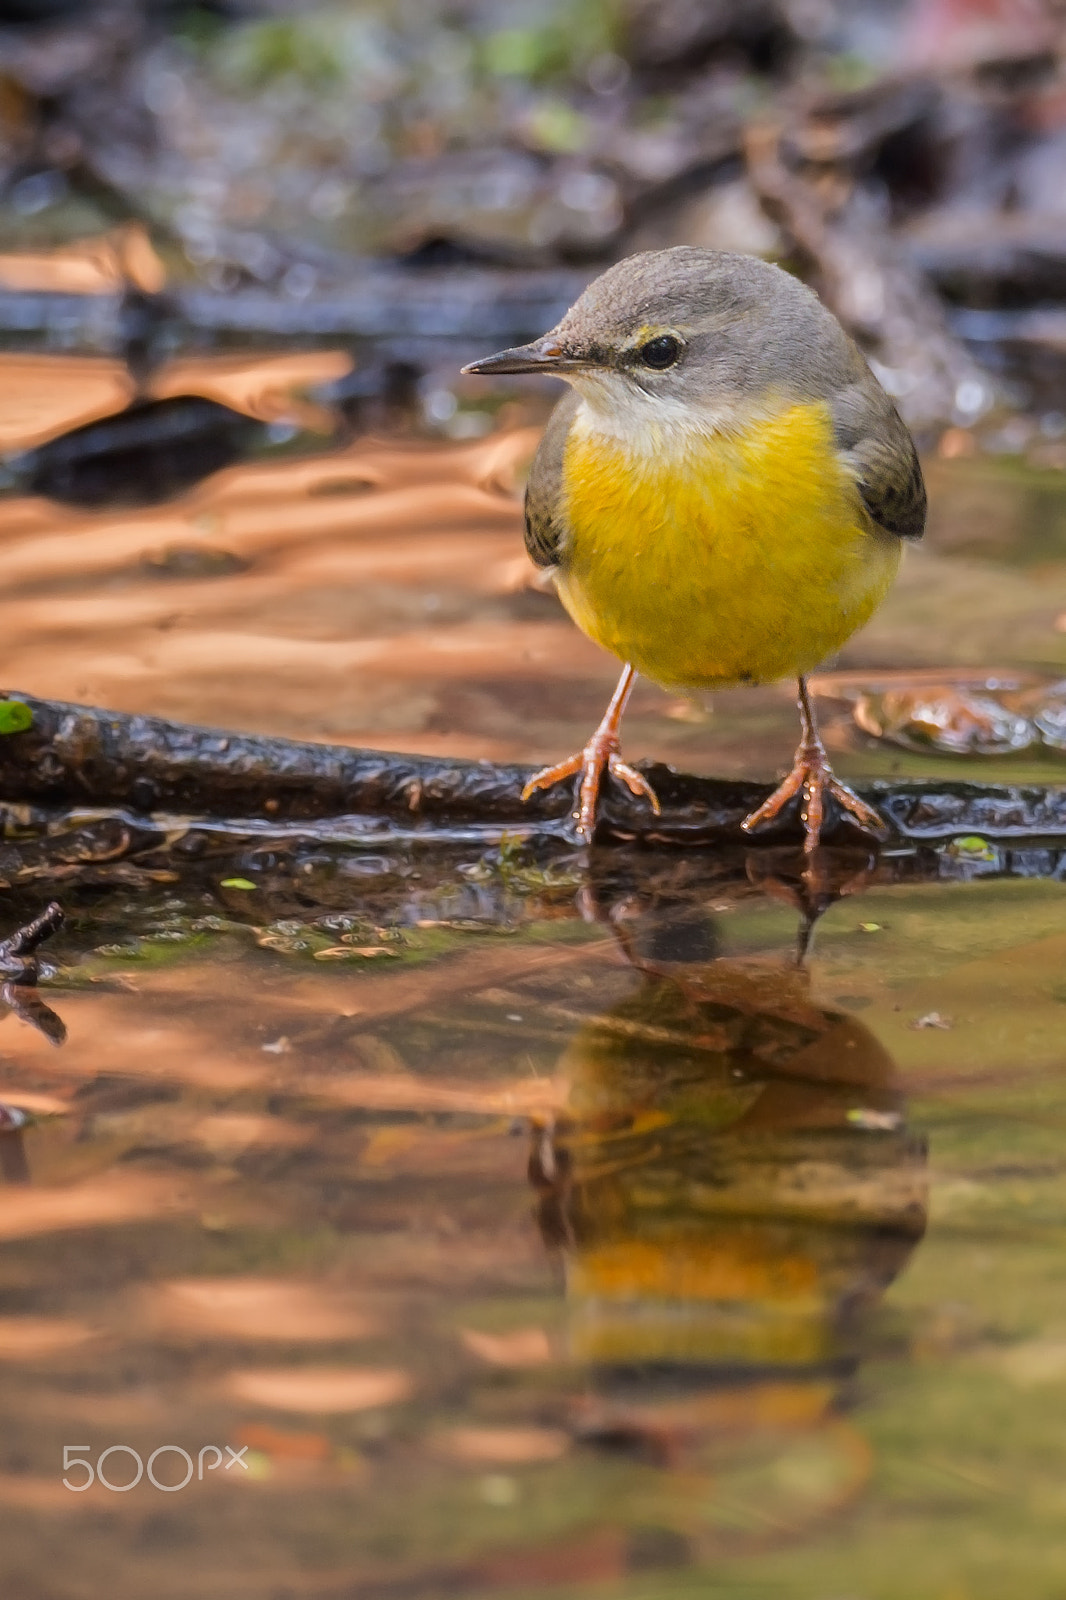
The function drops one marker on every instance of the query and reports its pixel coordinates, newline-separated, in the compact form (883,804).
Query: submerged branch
(77,756)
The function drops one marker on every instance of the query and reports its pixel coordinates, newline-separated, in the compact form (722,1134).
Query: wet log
(72,756)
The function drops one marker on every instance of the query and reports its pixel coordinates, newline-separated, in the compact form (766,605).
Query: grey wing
(876,445)
(546,529)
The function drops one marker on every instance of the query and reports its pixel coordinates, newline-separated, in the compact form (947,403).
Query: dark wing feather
(546,529)
(876,446)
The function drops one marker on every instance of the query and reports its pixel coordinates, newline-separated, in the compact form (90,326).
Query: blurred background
(246,245)
(428,175)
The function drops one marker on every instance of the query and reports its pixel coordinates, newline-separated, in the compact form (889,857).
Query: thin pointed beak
(543,355)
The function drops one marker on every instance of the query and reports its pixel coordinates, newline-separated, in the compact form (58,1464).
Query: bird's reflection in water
(731,1190)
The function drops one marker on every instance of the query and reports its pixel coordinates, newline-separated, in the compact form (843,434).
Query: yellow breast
(707,557)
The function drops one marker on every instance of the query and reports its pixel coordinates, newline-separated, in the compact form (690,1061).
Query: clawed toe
(548,776)
(634,781)
(813,779)
(771,809)
(600,755)
(869,820)
(597,758)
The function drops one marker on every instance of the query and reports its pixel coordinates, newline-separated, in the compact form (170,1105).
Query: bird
(721,497)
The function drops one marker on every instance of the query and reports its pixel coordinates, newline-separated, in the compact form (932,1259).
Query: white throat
(614,408)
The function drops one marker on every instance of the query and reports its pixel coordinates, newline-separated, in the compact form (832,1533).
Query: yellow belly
(720,558)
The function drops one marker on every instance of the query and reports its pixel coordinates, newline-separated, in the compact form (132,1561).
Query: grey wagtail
(721,496)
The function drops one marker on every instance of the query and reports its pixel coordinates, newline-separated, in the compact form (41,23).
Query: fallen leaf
(409,1092)
(33,1338)
(15,716)
(281,1444)
(874,1121)
(510,1445)
(945,718)
(98,1202)
(258,1308)
(344,952)
(971,847)
(43,1105)
(524,1347)
(319,1389)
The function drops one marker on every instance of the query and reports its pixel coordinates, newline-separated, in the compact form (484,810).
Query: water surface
(524,1222)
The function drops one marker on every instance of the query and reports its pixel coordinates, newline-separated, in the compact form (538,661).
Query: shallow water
(372,589)
(532,1252)
(524,1222)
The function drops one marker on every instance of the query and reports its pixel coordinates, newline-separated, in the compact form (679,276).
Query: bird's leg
(598,756)
(812,776)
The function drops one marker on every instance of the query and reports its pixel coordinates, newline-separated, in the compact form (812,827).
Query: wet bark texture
(75,756)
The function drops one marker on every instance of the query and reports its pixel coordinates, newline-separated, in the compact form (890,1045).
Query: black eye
(660,353)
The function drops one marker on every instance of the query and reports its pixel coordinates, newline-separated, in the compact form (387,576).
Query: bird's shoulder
(876,447)
(546,527)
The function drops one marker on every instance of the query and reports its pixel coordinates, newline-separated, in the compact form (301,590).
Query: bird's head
(682,333)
